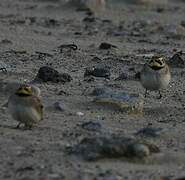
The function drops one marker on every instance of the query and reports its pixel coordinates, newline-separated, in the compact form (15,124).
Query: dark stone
(91,126)
(62,92)
(77,33)
(98,72)
(98,91)
(73,47)
(105,45)
(89,13)
(59,105)
(6,41)
(94,148)
(89,19)
(48,74)
(177,61)
(96,59)
(51,23)
(160,9)
(150,132)
(122,76)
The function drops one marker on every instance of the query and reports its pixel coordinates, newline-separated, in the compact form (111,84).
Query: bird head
(24,90)
(157,63)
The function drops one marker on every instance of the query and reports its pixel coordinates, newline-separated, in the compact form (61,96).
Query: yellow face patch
(24,90)
(157,63)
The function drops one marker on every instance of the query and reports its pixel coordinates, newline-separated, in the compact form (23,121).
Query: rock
(150,132)
(6,41)
(73,47)
(89,19)
(62,92)
(51,23)
(94,148)
(96,59)
(79,113)
(105,45)
(26,168)
(91,126)
(126,102)
(98,91)
(177,60)
(48,74)
(99,71)
(59,105)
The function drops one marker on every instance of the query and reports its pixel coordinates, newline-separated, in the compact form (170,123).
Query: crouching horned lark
(155,75)
(25,106)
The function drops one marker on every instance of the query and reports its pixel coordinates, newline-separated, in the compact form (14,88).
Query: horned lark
(155,75)
(25,106)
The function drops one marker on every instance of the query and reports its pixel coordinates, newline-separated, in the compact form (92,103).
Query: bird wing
(36,102)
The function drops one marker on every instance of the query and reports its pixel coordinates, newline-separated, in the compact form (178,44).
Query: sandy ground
(31,26)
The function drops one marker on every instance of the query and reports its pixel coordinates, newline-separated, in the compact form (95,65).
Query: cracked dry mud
(37,33)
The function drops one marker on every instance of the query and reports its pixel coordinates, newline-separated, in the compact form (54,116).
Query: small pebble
(80,113)
(59,105)
(98,71)
(92,126)
(150,132)
(105,45)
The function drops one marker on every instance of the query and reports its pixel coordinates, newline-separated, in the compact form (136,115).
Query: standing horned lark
(155,75)
(25,106)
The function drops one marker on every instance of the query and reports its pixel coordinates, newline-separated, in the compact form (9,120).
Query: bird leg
(160,95)
(18,125)
(28,126)
(146,92)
